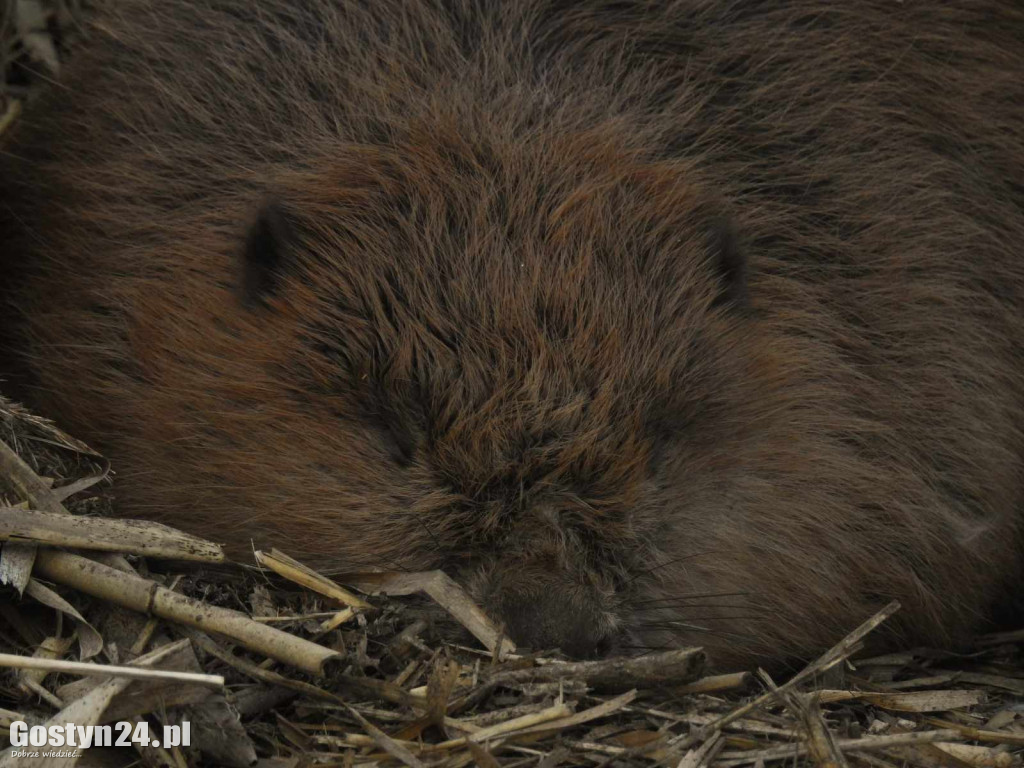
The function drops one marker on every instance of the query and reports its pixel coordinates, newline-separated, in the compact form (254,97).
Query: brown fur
(495,320)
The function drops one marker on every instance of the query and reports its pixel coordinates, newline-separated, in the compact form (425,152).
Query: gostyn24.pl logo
(120,734)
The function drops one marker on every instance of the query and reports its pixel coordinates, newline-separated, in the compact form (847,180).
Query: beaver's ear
(265,254)
(729,262)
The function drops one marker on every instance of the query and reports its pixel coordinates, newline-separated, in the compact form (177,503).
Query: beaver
(693,323)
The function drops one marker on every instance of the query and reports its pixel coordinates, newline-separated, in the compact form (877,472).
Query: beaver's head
(503,352)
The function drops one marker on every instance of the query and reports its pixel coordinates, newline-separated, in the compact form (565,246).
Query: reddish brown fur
(507,338)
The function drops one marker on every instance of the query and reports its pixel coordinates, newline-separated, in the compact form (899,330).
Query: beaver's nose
(549,614)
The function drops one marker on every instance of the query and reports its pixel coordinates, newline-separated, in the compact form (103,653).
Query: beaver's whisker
(671,562)
(683,626)
(644,650)
(676,609)
(375,564)
(690,596)
(686,622)
(430,533)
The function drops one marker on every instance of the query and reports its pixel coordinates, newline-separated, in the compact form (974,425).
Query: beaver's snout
(545,607)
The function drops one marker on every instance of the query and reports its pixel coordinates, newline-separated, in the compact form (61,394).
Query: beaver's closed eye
(399,444)
(264,253)
(729,262)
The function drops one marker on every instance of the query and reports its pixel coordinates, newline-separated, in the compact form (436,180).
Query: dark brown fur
(644,320)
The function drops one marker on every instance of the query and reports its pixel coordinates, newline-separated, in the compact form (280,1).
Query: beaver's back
(869,154)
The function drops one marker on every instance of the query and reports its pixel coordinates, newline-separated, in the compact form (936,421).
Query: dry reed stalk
(132,537)
(145,596)
(733,681)
(294,571)
(668,668)
(827,660)
(916,701)
(821,743)
(704,754)
(446,593)
(13,661)
(867,744)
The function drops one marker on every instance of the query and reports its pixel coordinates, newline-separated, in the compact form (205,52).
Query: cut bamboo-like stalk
(362,686)
(136,537)
(148,597)
(717,683)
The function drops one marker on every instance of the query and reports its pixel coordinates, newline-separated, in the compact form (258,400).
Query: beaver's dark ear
(265,253)
(730,263)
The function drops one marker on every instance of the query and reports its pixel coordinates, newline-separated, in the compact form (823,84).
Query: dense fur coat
(644,320)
